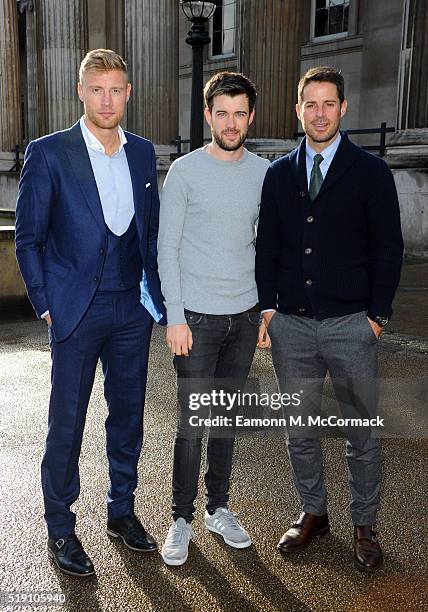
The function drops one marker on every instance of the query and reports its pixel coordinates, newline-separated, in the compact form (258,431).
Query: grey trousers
(303,351)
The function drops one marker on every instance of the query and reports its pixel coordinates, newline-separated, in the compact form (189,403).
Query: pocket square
(148,185)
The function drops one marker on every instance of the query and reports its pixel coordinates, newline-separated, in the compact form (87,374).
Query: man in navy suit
(86,234)
(329,254)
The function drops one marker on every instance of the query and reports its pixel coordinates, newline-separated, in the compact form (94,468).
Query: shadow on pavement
(80,593)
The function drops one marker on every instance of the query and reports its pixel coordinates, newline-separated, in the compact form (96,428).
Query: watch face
(382,321)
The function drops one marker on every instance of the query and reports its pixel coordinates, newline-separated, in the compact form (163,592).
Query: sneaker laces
(227,517)
(178,533)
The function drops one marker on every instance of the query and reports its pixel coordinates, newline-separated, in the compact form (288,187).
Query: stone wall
(11,283)
(412,188)
(8,190)
(346,55)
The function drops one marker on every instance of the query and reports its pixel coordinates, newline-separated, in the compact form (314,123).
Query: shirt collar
(328,152)
(92,141)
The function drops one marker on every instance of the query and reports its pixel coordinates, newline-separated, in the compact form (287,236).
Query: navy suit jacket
(61,238)
(336,255)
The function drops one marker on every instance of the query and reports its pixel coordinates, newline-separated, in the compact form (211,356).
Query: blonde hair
(102,60)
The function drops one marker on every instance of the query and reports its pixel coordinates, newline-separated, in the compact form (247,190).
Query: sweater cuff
(175,314)
(380,308)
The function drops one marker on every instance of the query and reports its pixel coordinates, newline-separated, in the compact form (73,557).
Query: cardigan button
(310,219)
(303,194)
(308,251)
(308,282)
(302,309)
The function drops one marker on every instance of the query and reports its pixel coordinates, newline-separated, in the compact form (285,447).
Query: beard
(329,135)
(104,123)
(232,146)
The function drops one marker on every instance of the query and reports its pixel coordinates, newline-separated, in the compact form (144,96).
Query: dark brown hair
(322,74)
(229,84)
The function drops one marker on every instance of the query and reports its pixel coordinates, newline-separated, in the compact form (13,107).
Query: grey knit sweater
(208,216)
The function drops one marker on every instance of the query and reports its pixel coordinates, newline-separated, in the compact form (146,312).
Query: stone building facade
(381,48)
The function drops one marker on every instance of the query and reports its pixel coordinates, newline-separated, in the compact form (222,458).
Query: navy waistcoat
(122,268)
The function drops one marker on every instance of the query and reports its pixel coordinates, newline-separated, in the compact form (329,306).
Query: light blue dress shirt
(113,181)
(114,184)
(327,154)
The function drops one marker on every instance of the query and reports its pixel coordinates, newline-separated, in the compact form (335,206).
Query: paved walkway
(215,578)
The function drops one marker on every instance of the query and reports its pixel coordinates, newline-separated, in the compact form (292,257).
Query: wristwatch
(379,320)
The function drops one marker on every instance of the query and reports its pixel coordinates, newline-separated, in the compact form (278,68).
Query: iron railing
(179,142)
(383,131)
(17,166)
(380,148)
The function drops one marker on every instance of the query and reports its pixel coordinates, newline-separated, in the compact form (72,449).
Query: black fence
(379,148)
(382,131)
(18,164)
(179,142)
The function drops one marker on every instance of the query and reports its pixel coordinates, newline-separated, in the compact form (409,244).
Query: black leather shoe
(303,531)
(367,551)
(132,533)
(69,556)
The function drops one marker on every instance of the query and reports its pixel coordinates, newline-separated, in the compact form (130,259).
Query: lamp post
(198,12)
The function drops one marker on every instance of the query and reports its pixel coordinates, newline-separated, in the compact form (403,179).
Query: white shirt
(113,181)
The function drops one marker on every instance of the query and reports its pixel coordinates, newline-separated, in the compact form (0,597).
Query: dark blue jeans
(221,357)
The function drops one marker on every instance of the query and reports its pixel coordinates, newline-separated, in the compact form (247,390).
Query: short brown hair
(322,74)
(102,60)
(229,84)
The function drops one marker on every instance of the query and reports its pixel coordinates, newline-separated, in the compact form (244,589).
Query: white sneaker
(225,524)
(176,547)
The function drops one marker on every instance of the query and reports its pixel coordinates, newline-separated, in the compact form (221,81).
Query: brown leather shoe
(367,552)
(307,528)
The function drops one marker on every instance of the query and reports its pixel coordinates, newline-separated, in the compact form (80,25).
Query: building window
(330,17)
(223,28)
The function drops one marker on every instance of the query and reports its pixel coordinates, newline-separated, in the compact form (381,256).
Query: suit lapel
(81,164)
(136,164)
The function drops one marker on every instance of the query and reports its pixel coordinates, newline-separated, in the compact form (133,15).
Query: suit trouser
(221,357)
(116,329)
(303,351)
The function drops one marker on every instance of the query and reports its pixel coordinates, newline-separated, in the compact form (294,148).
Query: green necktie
(316,177)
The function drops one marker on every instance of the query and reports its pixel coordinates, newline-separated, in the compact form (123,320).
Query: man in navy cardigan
(86,234)
(329,255)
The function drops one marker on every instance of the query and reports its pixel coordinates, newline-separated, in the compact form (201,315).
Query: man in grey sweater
(209,210)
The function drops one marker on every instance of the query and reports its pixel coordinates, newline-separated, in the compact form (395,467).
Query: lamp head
(198,9)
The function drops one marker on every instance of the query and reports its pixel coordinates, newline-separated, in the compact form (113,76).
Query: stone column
(10,97)
(33,92)
(413,76)
(115,25)
(269,55)
(407,149)
(151,50)
(64,44)
(97,14)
